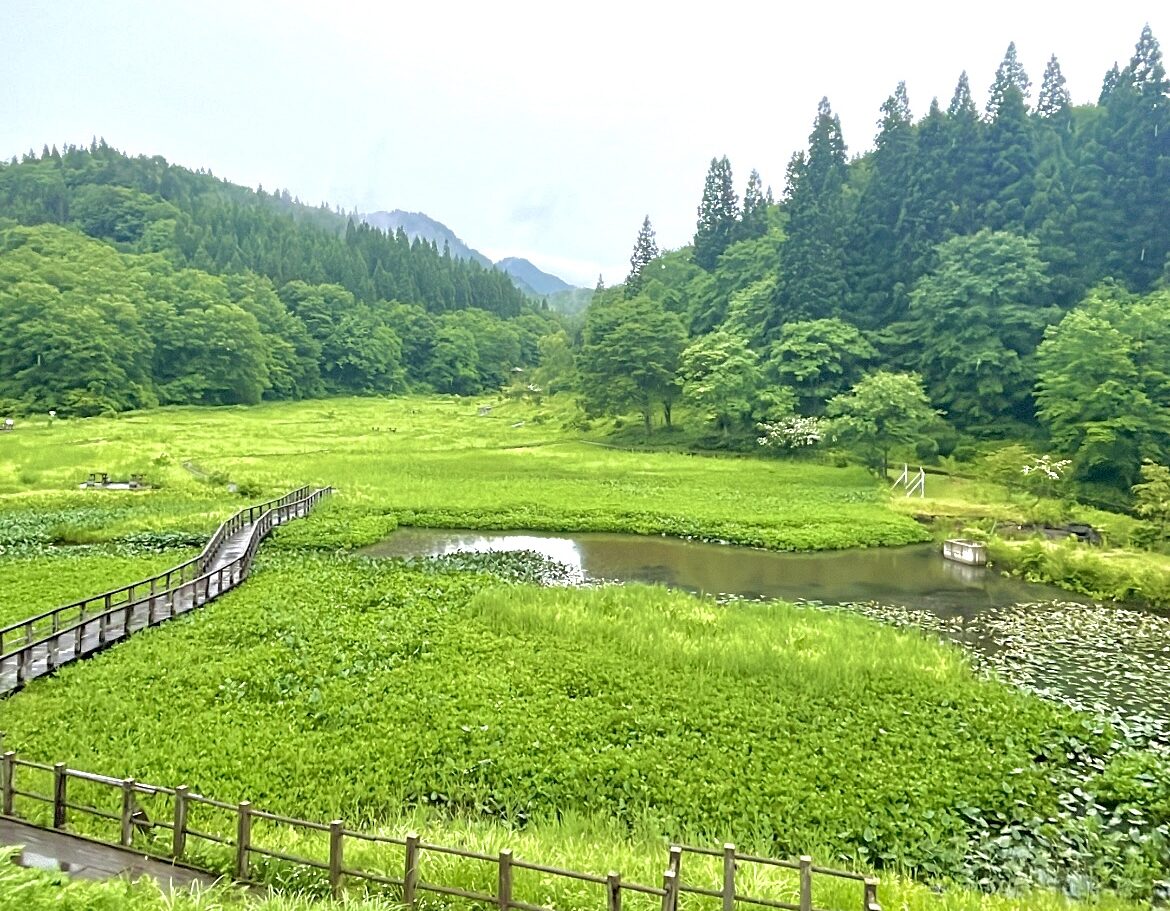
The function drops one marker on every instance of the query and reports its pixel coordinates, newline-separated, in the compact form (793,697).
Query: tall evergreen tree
(1011,163)
(812,281)
(1136,141)
(1108,84)
(645,249)
(753,222)
(1054,98)
(965,165)
(718,213)
(879,279)
(1010,73)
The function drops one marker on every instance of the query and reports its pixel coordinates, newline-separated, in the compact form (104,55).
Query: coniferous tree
(645,249)
(965,165)
(1108,84)
(1136,141)
(1010,73)
(753,222)
(927,211)
(1011,163)
(879,279)
(812,283)
(718,214)
(1054,98)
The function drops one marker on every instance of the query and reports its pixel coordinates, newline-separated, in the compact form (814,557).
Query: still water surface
(916,577)
(1105,659)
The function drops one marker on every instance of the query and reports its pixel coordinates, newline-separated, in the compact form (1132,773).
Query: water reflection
(1104,659)
(909,576)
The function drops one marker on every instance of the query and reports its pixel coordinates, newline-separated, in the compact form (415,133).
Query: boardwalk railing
(40,644)
(162,822)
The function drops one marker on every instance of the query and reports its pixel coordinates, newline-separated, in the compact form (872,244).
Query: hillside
(130,282)
(420,225)
(417,225)
(529,278)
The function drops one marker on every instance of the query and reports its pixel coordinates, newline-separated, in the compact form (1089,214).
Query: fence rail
(398,864)
(75,630)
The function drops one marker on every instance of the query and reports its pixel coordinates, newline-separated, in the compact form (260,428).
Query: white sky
(536,129)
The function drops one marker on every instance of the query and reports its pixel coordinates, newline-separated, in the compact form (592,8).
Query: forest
(129,283)
(979,274)
(1001,273)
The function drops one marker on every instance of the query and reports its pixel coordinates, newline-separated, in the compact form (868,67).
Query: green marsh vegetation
(579,727)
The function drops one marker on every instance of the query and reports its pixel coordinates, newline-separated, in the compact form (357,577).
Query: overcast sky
(543,129)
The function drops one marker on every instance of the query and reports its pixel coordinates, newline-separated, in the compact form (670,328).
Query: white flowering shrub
(794,432)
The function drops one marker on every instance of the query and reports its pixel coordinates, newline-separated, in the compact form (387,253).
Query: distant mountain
(530,279)
(416,224)
(525,276)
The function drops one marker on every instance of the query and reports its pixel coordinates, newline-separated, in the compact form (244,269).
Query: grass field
(436,462)
(585,727)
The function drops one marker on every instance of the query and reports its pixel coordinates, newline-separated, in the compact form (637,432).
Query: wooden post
(613,891)
(7,770)
(669,891)
(127,811)
(336,831)
(410,876)
(59,780)
(675,861)
(504,892)
(179,833)
(728,877)
(870,900)
(805,883)
(243,839)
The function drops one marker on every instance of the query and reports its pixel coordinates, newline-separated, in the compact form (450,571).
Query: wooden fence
(173,824)
(40,644)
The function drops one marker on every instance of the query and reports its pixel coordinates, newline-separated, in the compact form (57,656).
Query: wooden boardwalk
(39,645)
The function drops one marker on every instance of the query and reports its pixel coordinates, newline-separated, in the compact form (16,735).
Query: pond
(1102,658)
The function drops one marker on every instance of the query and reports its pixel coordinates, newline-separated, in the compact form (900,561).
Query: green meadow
(584,728)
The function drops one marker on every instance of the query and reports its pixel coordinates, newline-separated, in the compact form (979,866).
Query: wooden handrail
(240,834)
(67,640)
(192,568)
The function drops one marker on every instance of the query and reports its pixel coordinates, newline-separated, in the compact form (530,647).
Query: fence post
(613,891)
(179,833)
(59,780)
(675,861)
(870,900)
(336,832)
(243,839)
(728,877)
(410,875)
(7,770)
(805,883)
(669,891)
(504,892)
(127,812)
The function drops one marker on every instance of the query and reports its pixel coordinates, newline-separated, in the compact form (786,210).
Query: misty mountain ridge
(528,278)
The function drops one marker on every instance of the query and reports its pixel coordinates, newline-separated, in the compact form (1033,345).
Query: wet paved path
(43,849)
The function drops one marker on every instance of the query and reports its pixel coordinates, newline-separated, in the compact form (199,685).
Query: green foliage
(718,215)
(1152,498)
(630,357)
(721,378)
(511,704)
(1103,386)
(976,318)
(818,359)
(880,411)
(172,296)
